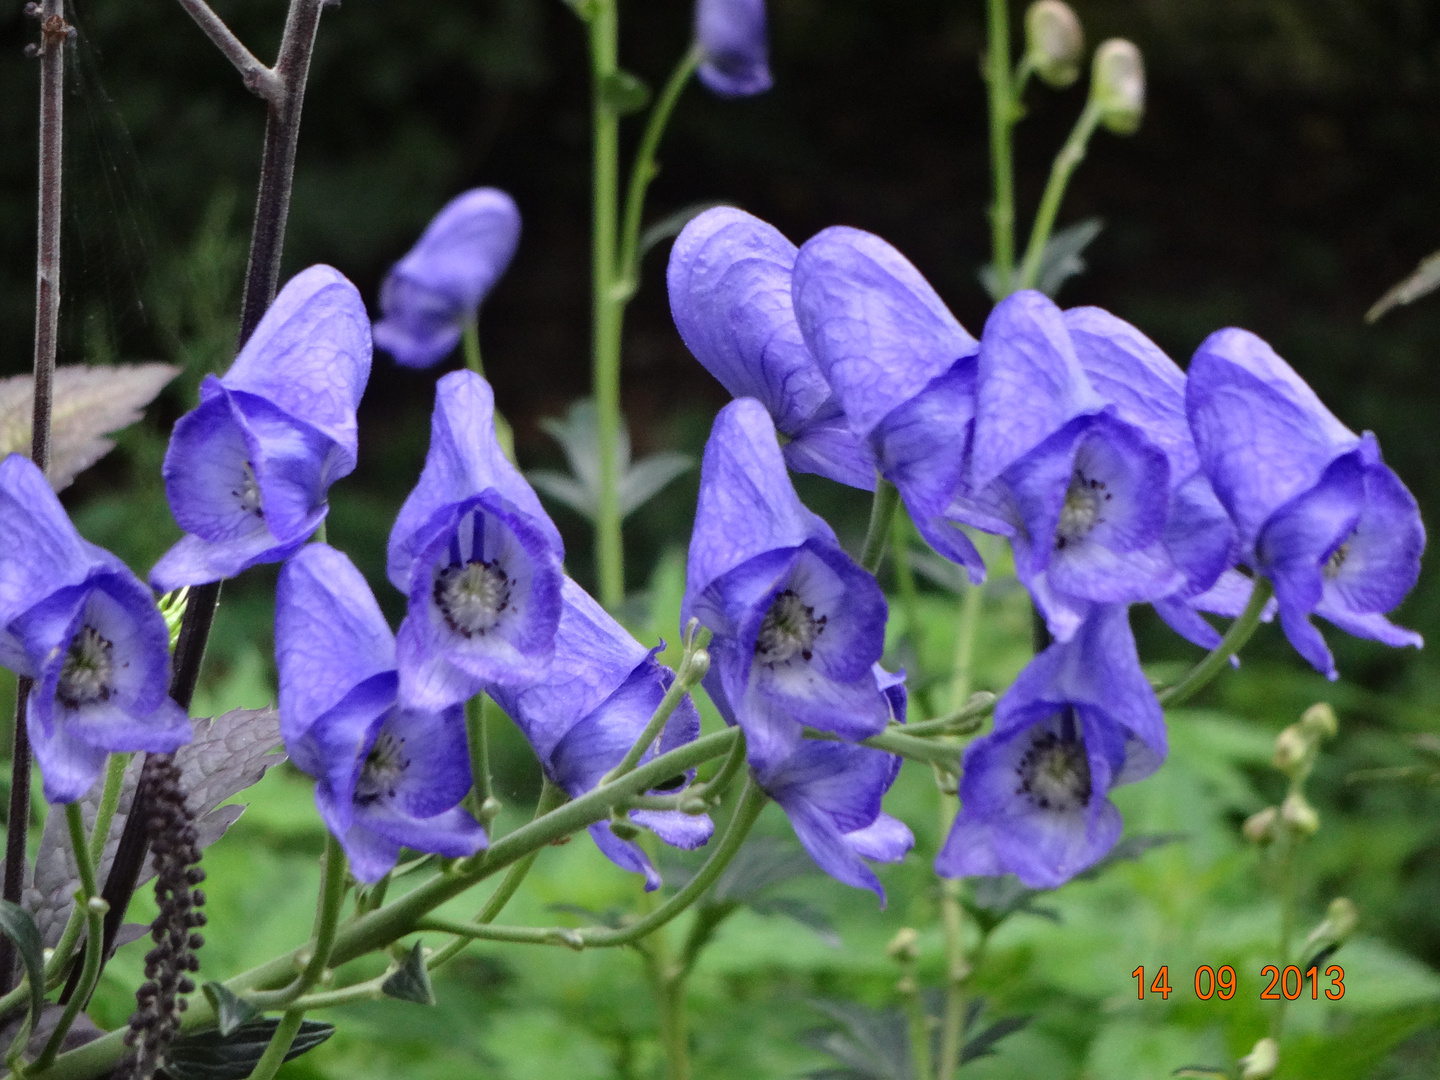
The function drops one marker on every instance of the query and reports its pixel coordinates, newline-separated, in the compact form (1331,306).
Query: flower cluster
(1117,478)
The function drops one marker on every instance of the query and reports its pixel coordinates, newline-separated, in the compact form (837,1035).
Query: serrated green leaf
(411,980)
(1061,260)
(231,1012)
(645,479)
(18,925)
(212,1056)
(624,93)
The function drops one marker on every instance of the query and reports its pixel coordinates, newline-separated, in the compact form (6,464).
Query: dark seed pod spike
(175,852)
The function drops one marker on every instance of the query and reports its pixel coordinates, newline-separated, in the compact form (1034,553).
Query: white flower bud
(1299,814)
(1260,828)
(1261,1062)
(1292,751)
(1339,923)
(1320,721)
(1054,42)
(1117,85)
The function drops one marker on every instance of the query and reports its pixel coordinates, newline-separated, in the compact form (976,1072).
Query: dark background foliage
(1285,176)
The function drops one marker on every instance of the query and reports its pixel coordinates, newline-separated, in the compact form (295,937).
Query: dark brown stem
(54,32)
(267,241)
(257,77)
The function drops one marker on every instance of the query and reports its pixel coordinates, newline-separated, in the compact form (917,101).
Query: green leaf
(1425,280)
(670,225)
(18,925)
(983,1045)
(212,1056)
(1061,260)
(411,980)
(624,93)
(231,1012)
(812,918)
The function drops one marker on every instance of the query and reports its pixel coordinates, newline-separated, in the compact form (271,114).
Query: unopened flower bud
(1054,42)
(697,666)
(1260,828)
(624,828)
(1296,812)
(1117,85)
(1261,1062)
(904,947)
(693,805)
(489,810)
(1292,750)
(1339,923)
(1320,721)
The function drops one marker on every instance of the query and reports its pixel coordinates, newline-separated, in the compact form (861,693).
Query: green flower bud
(1260,828)
(904,947)
(1261,1062)
(696,667)
(1320,721)
(1296,812)
(624,828)
(1292,751)
(1117,85)
(489,811)
(694,805)
(1339,923)
(1054,42)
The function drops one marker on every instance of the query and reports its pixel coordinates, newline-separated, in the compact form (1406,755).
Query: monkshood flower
(75,620)
(478,558)
(430,294)
(729,285)
(247,472)
(831,793)
(798,626)
(1080,720)
(603,688)
(903,369)
(1318,512)
(736,52)
(386,777)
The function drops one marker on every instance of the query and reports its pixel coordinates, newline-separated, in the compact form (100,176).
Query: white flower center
(1054,773)
(1084,501)
(1336,562)
(87,670)
(472,596)
(789,629)
(383,767)
(249,492)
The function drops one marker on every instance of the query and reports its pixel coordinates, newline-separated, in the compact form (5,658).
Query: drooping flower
(903,369)
(75,620)
(736,51)
(430,294)
(1317,510)
(247,471)
(478,557)
(729,285)
(831,793)
(1080,720)
(387,777)
(582,719)
(798,626)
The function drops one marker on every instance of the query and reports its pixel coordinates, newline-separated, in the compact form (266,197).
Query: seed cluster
(175,853)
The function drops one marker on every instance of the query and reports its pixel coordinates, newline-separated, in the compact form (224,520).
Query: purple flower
(799,627)
(603,689)
(1317,510)
(75,620)
(729,284)
(904,370)
(430,294)
(831,793)
(731,35)
(387,777)
(1080,720)
(248,470)
(478,557)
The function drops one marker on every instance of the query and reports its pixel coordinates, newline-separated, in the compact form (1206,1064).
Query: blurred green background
(1284,177)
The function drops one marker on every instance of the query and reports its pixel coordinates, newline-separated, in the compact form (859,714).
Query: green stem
(919,1025)
(905,574)
(957,968)
(274,1056)
(962,671)
(960,722)
(1066,162)
(95,909)
(899,742)
(1234,640)
(1002,119)
(477,730)
(607,303)
(882,510)
(692,670)
(327,914)
(645,168)
(470,336)
(669,985)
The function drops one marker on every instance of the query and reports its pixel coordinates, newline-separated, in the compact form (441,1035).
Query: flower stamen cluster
(789,629)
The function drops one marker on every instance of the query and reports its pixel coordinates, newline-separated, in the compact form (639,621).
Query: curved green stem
(960,722)
(1066,162)
(905,573)
(274,1056)
(645,168)
(1234,640)
(1002,119)
(327,914)
(692,670)
(896,741)
(478,734)
(95,908)
(882,510)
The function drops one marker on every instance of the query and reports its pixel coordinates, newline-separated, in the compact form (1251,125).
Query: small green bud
(1117,85)
(97,905)
(1261,1062)
(489,810)
(1320,721)
(904,947)
(1339,923)
(1054,42)
(1260,828)
(694,805)
(624,828)
(1296,812)
(697,666)
(1292,751)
